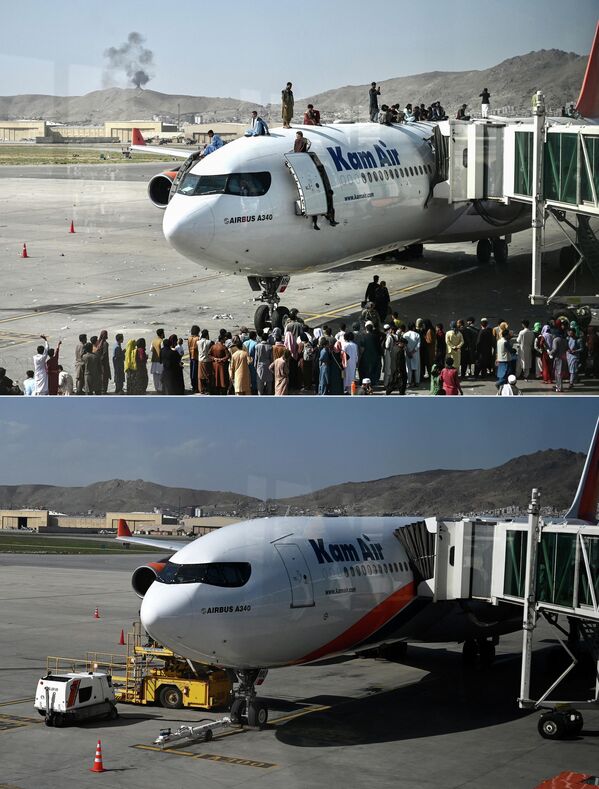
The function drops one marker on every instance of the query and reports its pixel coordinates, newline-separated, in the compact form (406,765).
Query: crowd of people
(379,352)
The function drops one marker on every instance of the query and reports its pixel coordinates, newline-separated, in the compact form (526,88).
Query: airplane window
(411,171)
(352,572)
(397,173)
(380,175)
(216,574)
(385,568)
(376,178)
(248,184)
(202,184)
(346,572)
(370,177)
(386,175)
(421,170)
(396,567)
(369,569)
(380,569)
(364,177)
(392,174)
(401,171)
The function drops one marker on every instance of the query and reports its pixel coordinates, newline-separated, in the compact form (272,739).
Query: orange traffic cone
(98,766)
(122,638)
(96,614)
(24,251)
(72,230)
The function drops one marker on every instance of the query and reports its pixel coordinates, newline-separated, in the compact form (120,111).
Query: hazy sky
(277,446)
(249,49)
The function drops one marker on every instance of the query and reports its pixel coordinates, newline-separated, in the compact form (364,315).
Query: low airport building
(46,521)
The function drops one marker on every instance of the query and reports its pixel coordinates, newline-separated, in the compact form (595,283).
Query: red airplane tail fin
(588,101)
(122,529)
(584,506)
(137,138)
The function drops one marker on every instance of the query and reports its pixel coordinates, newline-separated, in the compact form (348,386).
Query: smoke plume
(131,58)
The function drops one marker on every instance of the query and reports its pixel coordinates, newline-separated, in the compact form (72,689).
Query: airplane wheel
(237,710)
(483,251)
(500,251)
(262,319)
(257,714)
(551,726)
(278,316)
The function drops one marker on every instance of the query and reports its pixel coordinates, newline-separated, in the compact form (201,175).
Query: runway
(117,272)
(353,722)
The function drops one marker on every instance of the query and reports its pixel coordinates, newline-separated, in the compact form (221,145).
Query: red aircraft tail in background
(137,138)
(588,101)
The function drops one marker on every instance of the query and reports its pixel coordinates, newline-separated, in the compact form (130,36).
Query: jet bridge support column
(538,200)
(530,595)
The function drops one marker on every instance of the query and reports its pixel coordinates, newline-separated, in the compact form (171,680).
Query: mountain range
(511,84)
(442,491)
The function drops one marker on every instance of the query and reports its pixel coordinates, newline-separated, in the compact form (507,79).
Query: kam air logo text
(347,551)
(364,160)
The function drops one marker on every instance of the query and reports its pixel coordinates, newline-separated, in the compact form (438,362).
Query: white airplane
(285,591)
(249,206)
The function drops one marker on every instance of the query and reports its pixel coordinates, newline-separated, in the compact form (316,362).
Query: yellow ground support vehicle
(153,674)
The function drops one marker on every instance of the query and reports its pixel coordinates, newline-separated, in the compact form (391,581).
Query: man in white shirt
(526,341)
(39,368)
(65,382)
(29,384)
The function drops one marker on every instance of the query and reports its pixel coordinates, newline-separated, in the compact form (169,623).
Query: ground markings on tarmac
(222,735)
(211,757)
(15,722)
(114,297)
(402,291)
(16,701)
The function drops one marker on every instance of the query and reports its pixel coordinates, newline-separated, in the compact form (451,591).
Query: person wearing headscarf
(336,370)
(263,361)
(573,353)
(52,368)
(435,385)
(141,366)
(542,351)
(130,366)
(239,368)
(172,368)
(428,346)
(220,364)
(324,365)
(102,350)
(280,369)
(441,346)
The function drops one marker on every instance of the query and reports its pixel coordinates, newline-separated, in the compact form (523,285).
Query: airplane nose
(165,612)
(189,227)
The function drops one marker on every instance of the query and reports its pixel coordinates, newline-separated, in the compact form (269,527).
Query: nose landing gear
(247,708)
(271,313)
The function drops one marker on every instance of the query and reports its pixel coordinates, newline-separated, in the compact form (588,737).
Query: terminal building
(45,521)
(117,131)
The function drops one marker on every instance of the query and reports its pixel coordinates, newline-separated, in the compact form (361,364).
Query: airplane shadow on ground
(449,699)
(78,308)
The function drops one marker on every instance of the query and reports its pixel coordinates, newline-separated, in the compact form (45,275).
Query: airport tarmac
(117,272)
(426,722)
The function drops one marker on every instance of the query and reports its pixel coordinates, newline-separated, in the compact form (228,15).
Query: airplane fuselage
(381,182)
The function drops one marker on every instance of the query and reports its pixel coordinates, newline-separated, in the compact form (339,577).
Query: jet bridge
(550,568)
(550,164)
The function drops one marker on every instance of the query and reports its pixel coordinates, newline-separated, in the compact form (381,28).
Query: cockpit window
(238,184)
(248,184)
(202,184)
(216,574)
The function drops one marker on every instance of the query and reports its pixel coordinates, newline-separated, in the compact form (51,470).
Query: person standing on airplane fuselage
(287,102)
(373,102)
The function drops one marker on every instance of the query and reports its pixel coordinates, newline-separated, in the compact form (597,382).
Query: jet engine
(143,577)
(160,186)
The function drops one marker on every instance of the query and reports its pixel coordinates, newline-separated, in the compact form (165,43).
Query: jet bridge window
(231,574)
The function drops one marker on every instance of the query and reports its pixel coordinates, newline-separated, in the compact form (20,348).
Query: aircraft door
(310,185)
(300,580)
